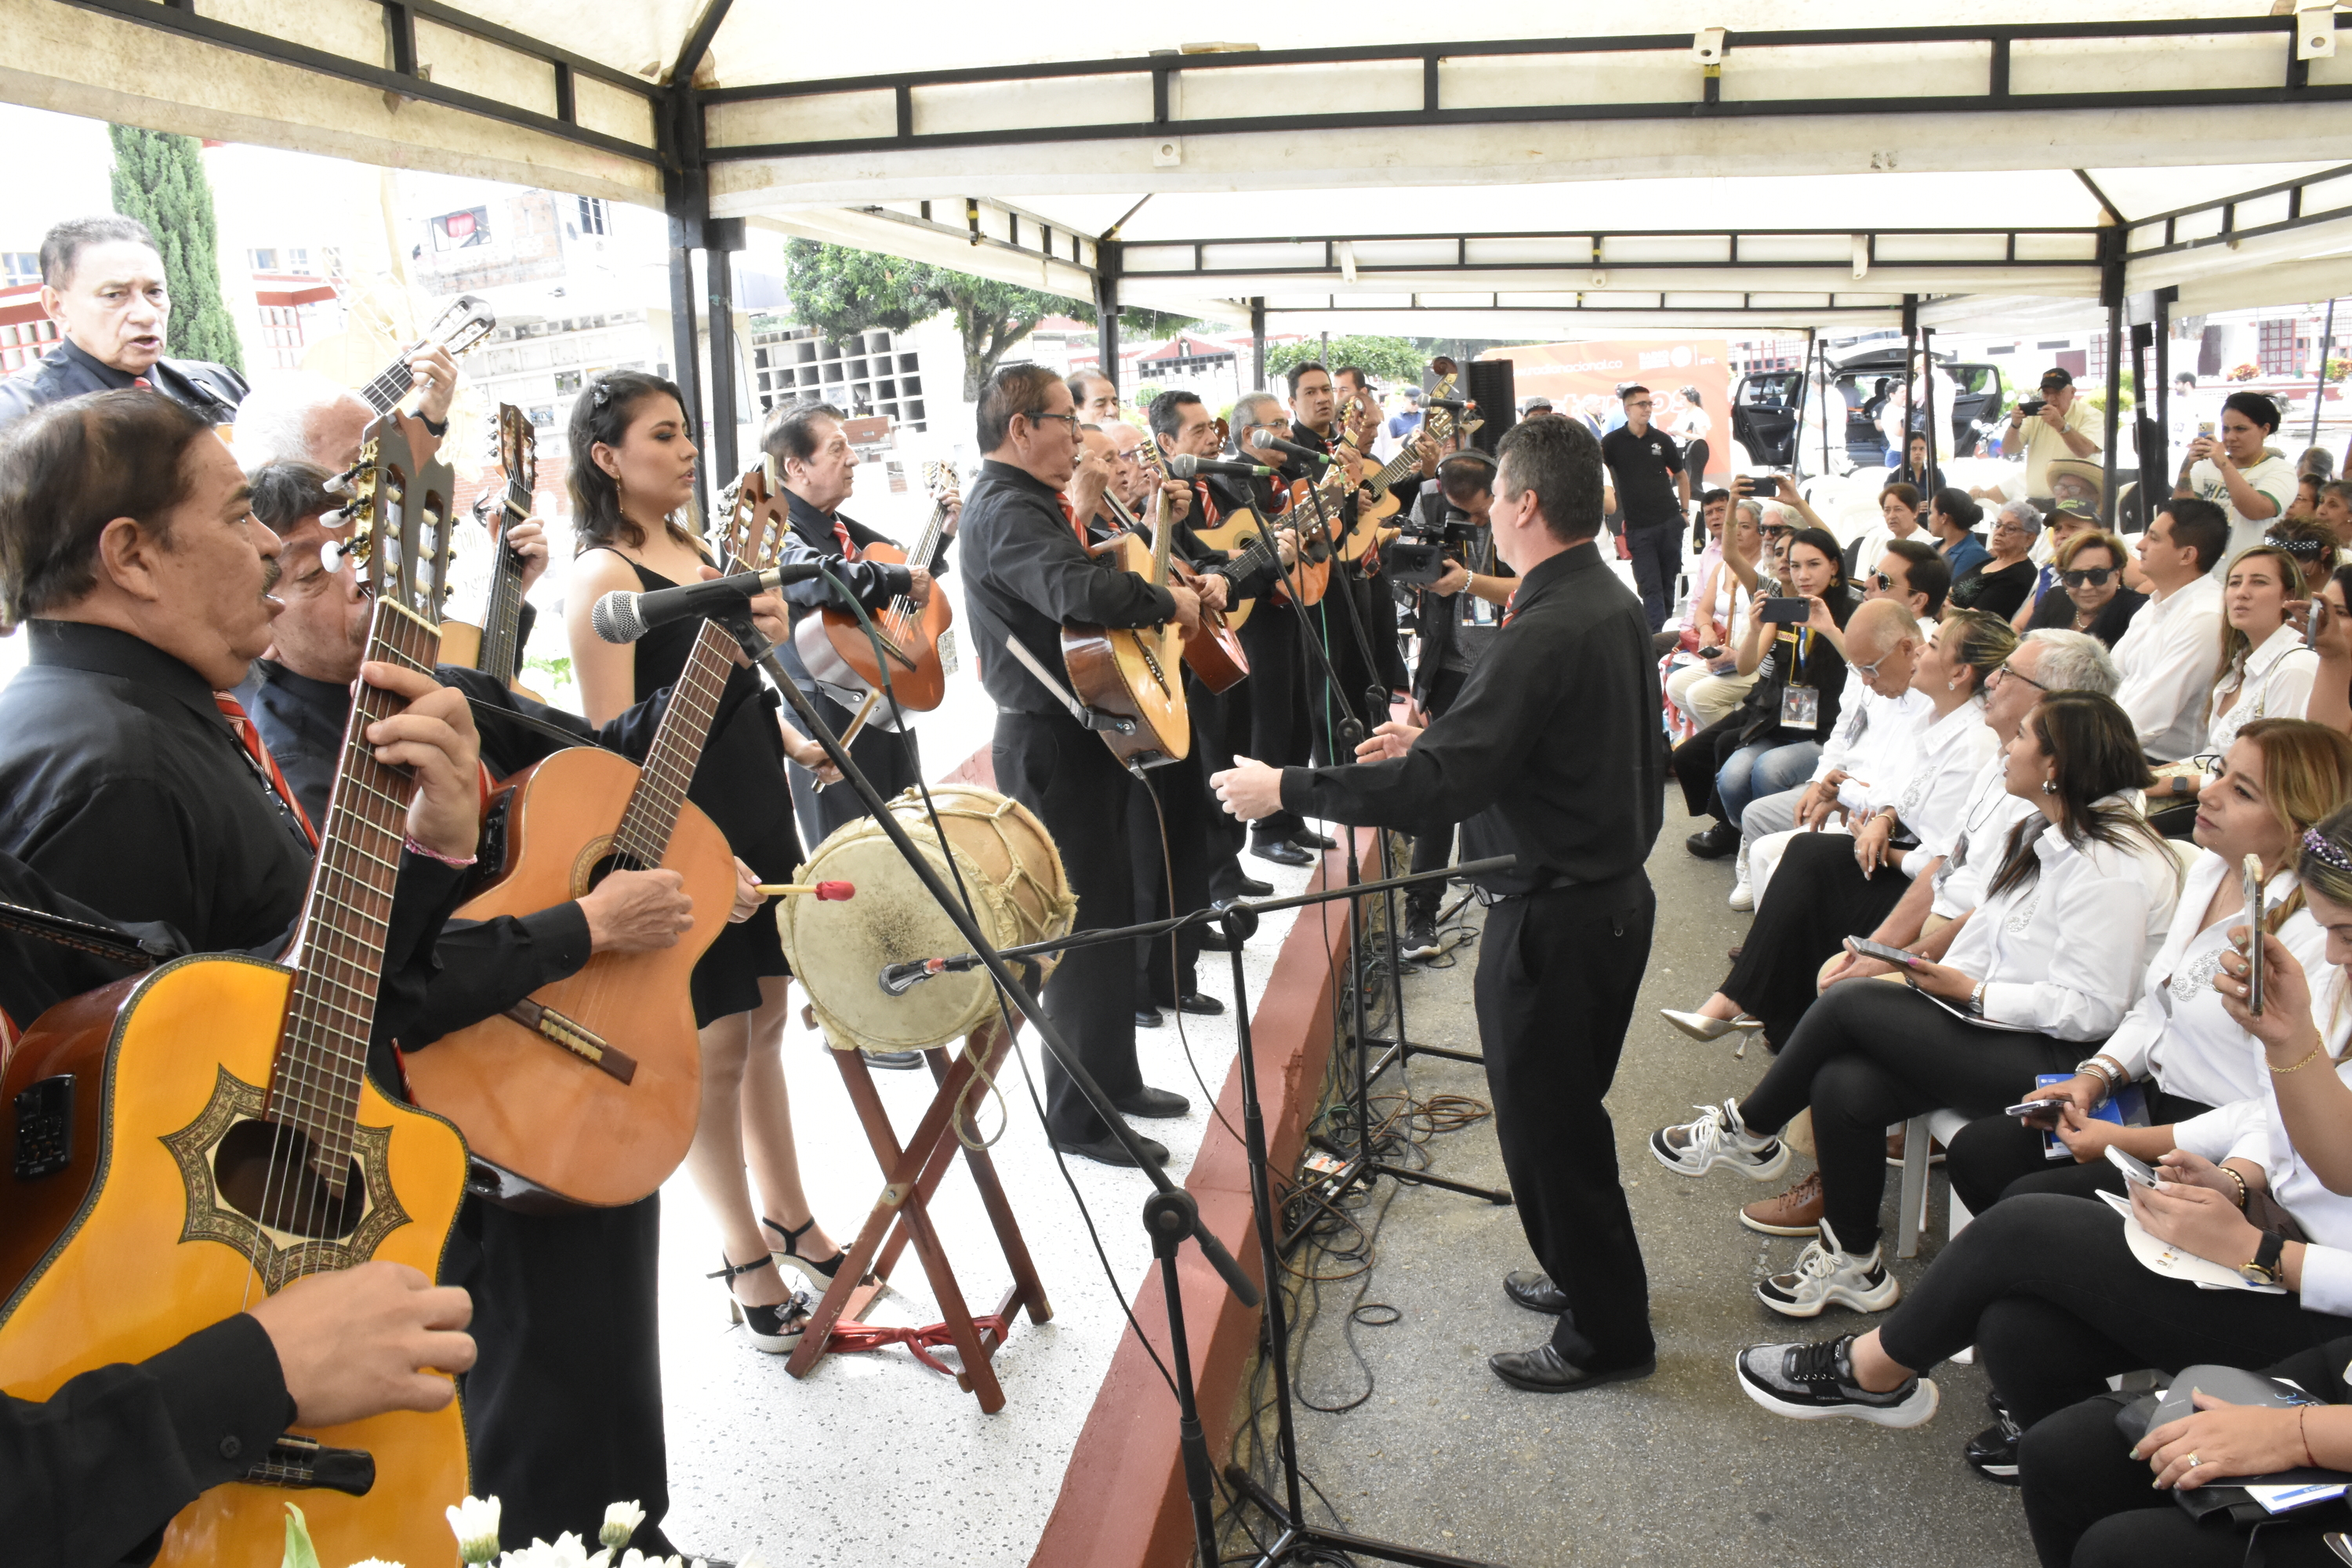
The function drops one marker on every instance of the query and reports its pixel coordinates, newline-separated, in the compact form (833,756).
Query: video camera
(2027,407)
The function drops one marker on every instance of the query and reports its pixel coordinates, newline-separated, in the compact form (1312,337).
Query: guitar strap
(104,941)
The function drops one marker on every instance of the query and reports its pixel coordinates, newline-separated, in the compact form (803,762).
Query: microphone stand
(762,652)
(1166,1217)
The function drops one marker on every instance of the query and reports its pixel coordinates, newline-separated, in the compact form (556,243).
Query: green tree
(159,179)
(839,290)
(1387,359)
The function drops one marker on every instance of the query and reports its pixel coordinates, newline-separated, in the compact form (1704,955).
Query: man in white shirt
(2235,469)
(2062,427)
(2171,653)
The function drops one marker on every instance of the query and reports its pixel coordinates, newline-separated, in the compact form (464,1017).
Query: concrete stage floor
(1680,1469)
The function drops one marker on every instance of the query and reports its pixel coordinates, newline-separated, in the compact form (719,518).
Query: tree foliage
(159,179)
(1386,358)
(839,290)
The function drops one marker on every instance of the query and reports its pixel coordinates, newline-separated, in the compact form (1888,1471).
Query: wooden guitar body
(543,1102)
(919,680)
(461,644)
(1134,672)
(1215,649)
(140,1239)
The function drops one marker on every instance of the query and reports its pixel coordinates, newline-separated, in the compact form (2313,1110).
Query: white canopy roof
(1968,154)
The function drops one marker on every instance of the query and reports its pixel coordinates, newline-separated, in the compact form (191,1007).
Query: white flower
(377,1562)
(621,1521)
(568,1551)
(476,1524)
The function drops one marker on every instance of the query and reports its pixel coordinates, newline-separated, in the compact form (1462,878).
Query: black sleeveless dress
(742,786)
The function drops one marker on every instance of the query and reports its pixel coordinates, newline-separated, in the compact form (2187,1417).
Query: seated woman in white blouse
(2280,778)
(2047,1287)
(2047,964)
(2264,670)
(1706,689)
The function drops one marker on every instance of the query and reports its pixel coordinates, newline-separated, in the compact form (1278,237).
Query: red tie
(841,532)
(1510,605)
(1208,506)
(1075,526)
(142,383)
(250,738)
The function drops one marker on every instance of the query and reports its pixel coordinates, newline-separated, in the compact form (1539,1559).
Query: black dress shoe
(1108,1151)
(897,1061)
(1149,1101)
(1720,839)
(1282,852)
(1534,1290)
(1253,888)
(1307,838)
(1148,1018)
(1200,1004)
(1544,1370)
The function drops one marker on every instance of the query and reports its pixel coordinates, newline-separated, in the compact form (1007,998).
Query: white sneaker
(1718,1137)
(1825,1276)
(1743,896)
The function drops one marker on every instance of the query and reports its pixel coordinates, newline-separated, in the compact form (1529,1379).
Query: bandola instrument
(462,323)
(225,1138)
(496,646)
(1005,860)
(839,655)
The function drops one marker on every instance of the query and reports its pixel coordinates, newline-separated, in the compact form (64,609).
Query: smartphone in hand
(2036,1113)
(2253,893)
(1789,611)
(1863,947)
(2136,1170)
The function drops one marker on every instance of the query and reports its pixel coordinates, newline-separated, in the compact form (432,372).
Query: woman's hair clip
(601,392)
(2322,849)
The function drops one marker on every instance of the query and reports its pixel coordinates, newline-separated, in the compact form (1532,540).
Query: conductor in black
(1550,753)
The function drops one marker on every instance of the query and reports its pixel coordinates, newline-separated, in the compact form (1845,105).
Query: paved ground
(1680,1469)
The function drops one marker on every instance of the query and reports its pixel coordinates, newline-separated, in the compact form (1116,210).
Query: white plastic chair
(1920,1133)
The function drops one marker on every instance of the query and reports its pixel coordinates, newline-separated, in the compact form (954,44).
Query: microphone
(898,979)
(1268,441)
(1184,466)
(621,616)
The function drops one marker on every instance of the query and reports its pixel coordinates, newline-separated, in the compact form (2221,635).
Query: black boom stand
(1170,1213)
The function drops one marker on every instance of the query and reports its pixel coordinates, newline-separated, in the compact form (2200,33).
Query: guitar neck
(389,385)
(503,615)
(643,837)
(339,952)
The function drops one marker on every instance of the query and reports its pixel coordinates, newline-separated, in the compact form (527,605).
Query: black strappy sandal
(819,1270)
(776,1328)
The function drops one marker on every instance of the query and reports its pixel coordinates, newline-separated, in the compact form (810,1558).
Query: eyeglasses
(1075,422)
(2088,576)
(2001,672)
(2208,763)
(1870,671)
(1884,583)
(1774,530)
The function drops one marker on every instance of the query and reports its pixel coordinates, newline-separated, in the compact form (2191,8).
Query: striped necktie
(249,736)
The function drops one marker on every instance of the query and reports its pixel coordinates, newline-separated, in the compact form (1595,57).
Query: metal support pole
(2111,294)
(1910,377)
(724,235)
(1257,342)
(1927,352)
(1107,311)
(2320,386)
(686,351)
(1817,374)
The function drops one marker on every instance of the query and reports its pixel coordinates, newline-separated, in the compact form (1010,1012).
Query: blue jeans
(1762,768)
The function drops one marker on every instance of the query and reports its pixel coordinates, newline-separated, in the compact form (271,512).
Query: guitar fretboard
(503,615)
(338,954)
(643,837)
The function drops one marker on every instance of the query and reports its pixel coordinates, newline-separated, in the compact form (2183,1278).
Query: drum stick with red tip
(865,711)
(826,892)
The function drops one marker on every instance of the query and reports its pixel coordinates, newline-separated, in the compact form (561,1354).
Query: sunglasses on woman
(2088,576)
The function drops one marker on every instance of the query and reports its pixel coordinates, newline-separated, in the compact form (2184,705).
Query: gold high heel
(1699,1026)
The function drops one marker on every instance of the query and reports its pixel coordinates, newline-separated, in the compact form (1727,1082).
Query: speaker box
(1488,384)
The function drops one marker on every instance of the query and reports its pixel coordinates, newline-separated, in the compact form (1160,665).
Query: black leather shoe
(1108,1151)
(1253,888)
(1149,1101)
(897,1061)
(1148,1018)
(1544,1370)
(1307,838)
(1282,852)
(1200,1004)
(1534,1290)
(1720,839)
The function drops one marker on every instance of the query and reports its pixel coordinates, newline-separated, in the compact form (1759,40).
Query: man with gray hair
(301,416)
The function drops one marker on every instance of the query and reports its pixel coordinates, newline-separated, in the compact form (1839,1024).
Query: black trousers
(1696,762)
(2047,1290)
(1871,1053)
(1657,559)
(1816,900)
(1068,777)
(1557,975)
(1166,972)
(888,758)
(2089,1505)
(1433,842)
(1219,724)
(563,1405)
(1995,1157)
(1277,704)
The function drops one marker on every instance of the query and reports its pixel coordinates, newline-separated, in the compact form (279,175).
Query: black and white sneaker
(1992,1453)
(1828,1276)
(1420,937)
(1718,1137)
(1814,1382)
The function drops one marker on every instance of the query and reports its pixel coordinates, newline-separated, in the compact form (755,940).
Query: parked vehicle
(1768,408)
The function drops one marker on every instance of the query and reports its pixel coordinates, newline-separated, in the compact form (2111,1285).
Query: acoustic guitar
(1135,672)
(585,1094)
(464,323)
(833,643)
(1305,580)
(496,646)
(211,1134)
(1212,648)
(1381,502)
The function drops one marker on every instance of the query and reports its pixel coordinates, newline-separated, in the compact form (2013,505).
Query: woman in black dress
(631,470)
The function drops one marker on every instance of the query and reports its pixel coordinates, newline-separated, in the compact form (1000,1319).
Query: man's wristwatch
(2265,1269)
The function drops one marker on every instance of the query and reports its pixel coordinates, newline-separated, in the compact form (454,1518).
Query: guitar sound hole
(264,1173)
(605,867)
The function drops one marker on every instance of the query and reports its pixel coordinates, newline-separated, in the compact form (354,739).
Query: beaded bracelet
(2243,1195)
(451,861)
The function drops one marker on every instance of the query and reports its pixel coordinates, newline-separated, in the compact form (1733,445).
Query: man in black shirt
(1549,753)
(103,283)
(1279,676)
(1027,576)
(1653,493)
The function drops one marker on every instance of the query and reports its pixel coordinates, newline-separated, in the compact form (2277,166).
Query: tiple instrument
(1212,648)
(585,1094)
(833,643)
(496,646)
(216,1136)
(1135,672)
(465,321)
(1305,581)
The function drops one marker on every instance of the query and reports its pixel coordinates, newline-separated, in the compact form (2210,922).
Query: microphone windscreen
(614,616)
(1261,438)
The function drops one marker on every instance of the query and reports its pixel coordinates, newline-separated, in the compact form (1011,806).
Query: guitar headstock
(1447,372)
(399,514)
(462,322)
(940,479)
(753,538)
(517,449)
(1150,455)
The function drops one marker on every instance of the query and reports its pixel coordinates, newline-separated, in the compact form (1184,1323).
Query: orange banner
(1689,377)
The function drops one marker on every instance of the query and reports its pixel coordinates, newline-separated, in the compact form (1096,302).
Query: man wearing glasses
(1029,575)
(1650,490)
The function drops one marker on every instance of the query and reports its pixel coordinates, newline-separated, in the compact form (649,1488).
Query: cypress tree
(159,179)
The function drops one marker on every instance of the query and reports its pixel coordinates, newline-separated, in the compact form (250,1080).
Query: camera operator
(1453,516)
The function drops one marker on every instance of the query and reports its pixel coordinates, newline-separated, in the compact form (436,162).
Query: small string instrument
(221,1137)
(1382,503)
(1135,672)
(833,644)
(1212,648)
(462,323)
(496,646)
